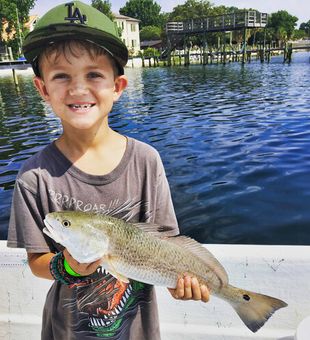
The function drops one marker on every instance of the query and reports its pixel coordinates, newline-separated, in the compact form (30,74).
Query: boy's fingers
(94,265)
(188,294)
(179,291)
(205,295)
(196,289)
(189,288)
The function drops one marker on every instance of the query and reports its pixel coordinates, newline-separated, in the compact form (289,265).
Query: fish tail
(254,309)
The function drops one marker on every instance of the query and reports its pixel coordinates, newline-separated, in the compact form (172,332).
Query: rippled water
(235,142)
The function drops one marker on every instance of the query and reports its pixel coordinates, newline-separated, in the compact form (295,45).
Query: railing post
(244,45)
(169,47)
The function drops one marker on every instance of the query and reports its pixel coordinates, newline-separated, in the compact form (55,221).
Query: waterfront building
(130,32)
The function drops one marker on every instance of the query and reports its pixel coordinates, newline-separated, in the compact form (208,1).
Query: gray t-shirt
(136,190)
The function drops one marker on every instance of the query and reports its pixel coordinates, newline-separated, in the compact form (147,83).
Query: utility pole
(19,33)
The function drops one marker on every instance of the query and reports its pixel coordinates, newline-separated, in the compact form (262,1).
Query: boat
(279,271)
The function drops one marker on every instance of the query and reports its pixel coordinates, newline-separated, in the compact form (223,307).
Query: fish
(141,252)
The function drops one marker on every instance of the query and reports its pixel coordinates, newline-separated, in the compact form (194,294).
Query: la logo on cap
(75,15)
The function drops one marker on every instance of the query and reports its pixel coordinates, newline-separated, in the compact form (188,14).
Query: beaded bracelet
(59,273)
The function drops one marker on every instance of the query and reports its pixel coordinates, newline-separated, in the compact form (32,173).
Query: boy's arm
(189,289)
(39,264)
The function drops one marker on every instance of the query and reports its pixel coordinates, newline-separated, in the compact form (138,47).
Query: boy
(78,61)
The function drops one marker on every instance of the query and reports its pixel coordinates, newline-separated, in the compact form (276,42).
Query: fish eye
(66,223)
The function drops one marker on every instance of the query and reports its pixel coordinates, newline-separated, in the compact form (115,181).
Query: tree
(14,13)
(300,34)
(150,33)
(104,6)
(147,11)
(283,24)
(305,26)
(191,9)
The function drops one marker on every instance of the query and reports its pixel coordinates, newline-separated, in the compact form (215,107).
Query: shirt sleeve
(165,214)
(26,221)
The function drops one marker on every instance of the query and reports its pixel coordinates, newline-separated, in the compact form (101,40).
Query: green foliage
(305,26)
(299,34)
(10,10)
(150,33)
(104,6)
(191,9)
(148,11)
(283,24)
(151,52)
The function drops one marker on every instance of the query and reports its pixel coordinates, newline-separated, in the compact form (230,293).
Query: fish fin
(118,276)
(254,309)
(108,265)
(156,229)
(204,254)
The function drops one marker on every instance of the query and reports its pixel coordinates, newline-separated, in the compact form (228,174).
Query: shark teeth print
(107,320)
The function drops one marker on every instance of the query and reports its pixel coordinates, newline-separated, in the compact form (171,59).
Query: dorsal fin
(204,254)
(156,229)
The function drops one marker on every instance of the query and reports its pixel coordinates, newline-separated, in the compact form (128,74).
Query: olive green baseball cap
(74,20)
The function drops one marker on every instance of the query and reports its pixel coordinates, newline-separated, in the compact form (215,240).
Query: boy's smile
(81,107)
(80,88)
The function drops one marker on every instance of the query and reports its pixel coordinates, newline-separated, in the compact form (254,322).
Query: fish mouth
(48,228)
(50,231)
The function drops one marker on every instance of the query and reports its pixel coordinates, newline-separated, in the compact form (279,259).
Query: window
(133,27)
(133,43)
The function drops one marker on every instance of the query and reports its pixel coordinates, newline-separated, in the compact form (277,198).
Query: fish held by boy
(140,252)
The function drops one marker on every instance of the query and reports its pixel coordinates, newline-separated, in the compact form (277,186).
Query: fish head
(79,232)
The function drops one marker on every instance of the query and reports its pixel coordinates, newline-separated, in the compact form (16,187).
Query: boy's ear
(40,86)
(120,85)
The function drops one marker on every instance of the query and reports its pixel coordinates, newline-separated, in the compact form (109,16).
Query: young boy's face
(80,88)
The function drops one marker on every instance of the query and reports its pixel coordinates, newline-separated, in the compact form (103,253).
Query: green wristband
(69,270)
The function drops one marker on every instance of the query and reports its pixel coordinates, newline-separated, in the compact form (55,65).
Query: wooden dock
(14,65)
(181,32)
(219,23)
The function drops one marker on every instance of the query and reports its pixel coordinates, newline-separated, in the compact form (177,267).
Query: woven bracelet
(59,273)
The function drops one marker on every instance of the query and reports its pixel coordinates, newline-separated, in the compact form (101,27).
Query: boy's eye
(94,75)
(60,76)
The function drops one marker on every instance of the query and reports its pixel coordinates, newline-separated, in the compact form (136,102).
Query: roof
(124,17)
(32,19)
(150,43)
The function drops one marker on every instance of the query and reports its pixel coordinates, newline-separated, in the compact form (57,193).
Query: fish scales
(154,261)
(130,251)
(140,256)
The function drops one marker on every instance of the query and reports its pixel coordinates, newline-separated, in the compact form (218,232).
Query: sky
(298,8)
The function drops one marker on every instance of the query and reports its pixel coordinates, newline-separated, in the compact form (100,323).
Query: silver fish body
(139,253)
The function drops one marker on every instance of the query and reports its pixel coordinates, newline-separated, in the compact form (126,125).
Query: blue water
(234,140)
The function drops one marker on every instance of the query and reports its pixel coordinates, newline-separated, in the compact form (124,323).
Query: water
(234,140)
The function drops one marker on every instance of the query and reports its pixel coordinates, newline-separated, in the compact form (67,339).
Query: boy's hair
(74,20)
(74,47)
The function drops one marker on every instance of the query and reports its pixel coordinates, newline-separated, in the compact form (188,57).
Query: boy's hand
(188,288)
(83,269)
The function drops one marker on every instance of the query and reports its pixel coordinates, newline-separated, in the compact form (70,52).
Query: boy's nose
(78,88)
